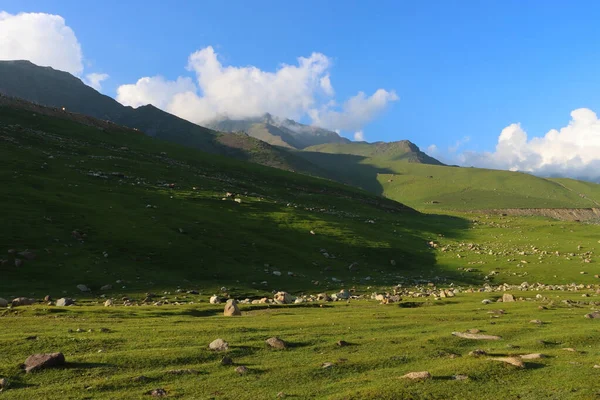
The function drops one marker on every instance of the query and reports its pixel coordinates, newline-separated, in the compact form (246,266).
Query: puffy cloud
(359,136)
(356,112)
(43,39)
(292,91)
(573,150)
(95,80)
(155,90)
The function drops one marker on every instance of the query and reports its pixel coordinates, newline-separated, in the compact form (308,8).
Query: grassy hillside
(73,193)
(434,187)
(402,150)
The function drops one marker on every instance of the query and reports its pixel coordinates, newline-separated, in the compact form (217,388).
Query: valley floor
(127,352)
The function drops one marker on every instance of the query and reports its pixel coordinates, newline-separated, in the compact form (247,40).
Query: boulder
(65,301)
(475,336)
(23,301)
(3,302)
(516,361)
(231,308)
(214,299)
(593,315)
(276,343)
(83,288)
(218,345)
(508,298)
(41,361)
(420,375)
(283,297)
(108,303)
(343,294)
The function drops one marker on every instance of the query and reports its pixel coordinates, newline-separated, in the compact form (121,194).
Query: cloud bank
(292,91)
(43,39)
(573,150)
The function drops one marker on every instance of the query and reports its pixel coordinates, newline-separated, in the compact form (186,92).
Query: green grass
(387,341)
(58,177)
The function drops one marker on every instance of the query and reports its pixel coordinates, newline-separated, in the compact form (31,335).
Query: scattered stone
(508,298)
(473,330)
(532,356)
(65,301)
(3,384)
(41,361)
(516,361)
(106,287)
(596,366)
(160,392)
(141,378)
(486,301)
(570,349)
(218,345)
(421,375)
(23,301)
(108,303)
(27,254)
(475,336)
(478,353)
(536,321)
(226,361)
(276,343)
(327,365)
(3,303)
(283,298)
(47,298)
(214,299)
(241,370)
(343,294)
(83,288)
(460,377)
(18,262)
(231,308)
(343,343)
(593,315)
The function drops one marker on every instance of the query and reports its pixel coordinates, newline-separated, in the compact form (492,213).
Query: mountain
(279,132)
(403,150)
(49,87)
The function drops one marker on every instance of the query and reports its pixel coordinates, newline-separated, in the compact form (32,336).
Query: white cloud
(432,149)
(459,143)
(356,112)
(359,136)
(573,150)
(292,91)
(95,80)
(43,39)
(155,90)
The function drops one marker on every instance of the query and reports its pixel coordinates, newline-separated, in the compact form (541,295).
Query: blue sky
(460,69)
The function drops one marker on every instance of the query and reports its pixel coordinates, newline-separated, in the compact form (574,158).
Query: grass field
(386,342)
(113,207)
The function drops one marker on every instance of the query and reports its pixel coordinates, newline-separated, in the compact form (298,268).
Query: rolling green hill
(437,187)
(102,204)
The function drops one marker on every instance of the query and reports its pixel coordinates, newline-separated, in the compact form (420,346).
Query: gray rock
(3,302)
(3,384)
(106,287)
(65,301)
(108,303)
(241,370)
(160,392)
(83,288)
(593,315)
(276,343)
(18,262)
(231,308)
(475,336)
(420,375)
(218,345)
(41,361)
(23,301)
(508,298)
(226,361)
(283,297)
(214,299)
(343,294)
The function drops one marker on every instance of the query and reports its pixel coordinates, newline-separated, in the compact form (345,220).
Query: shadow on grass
(85,365)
